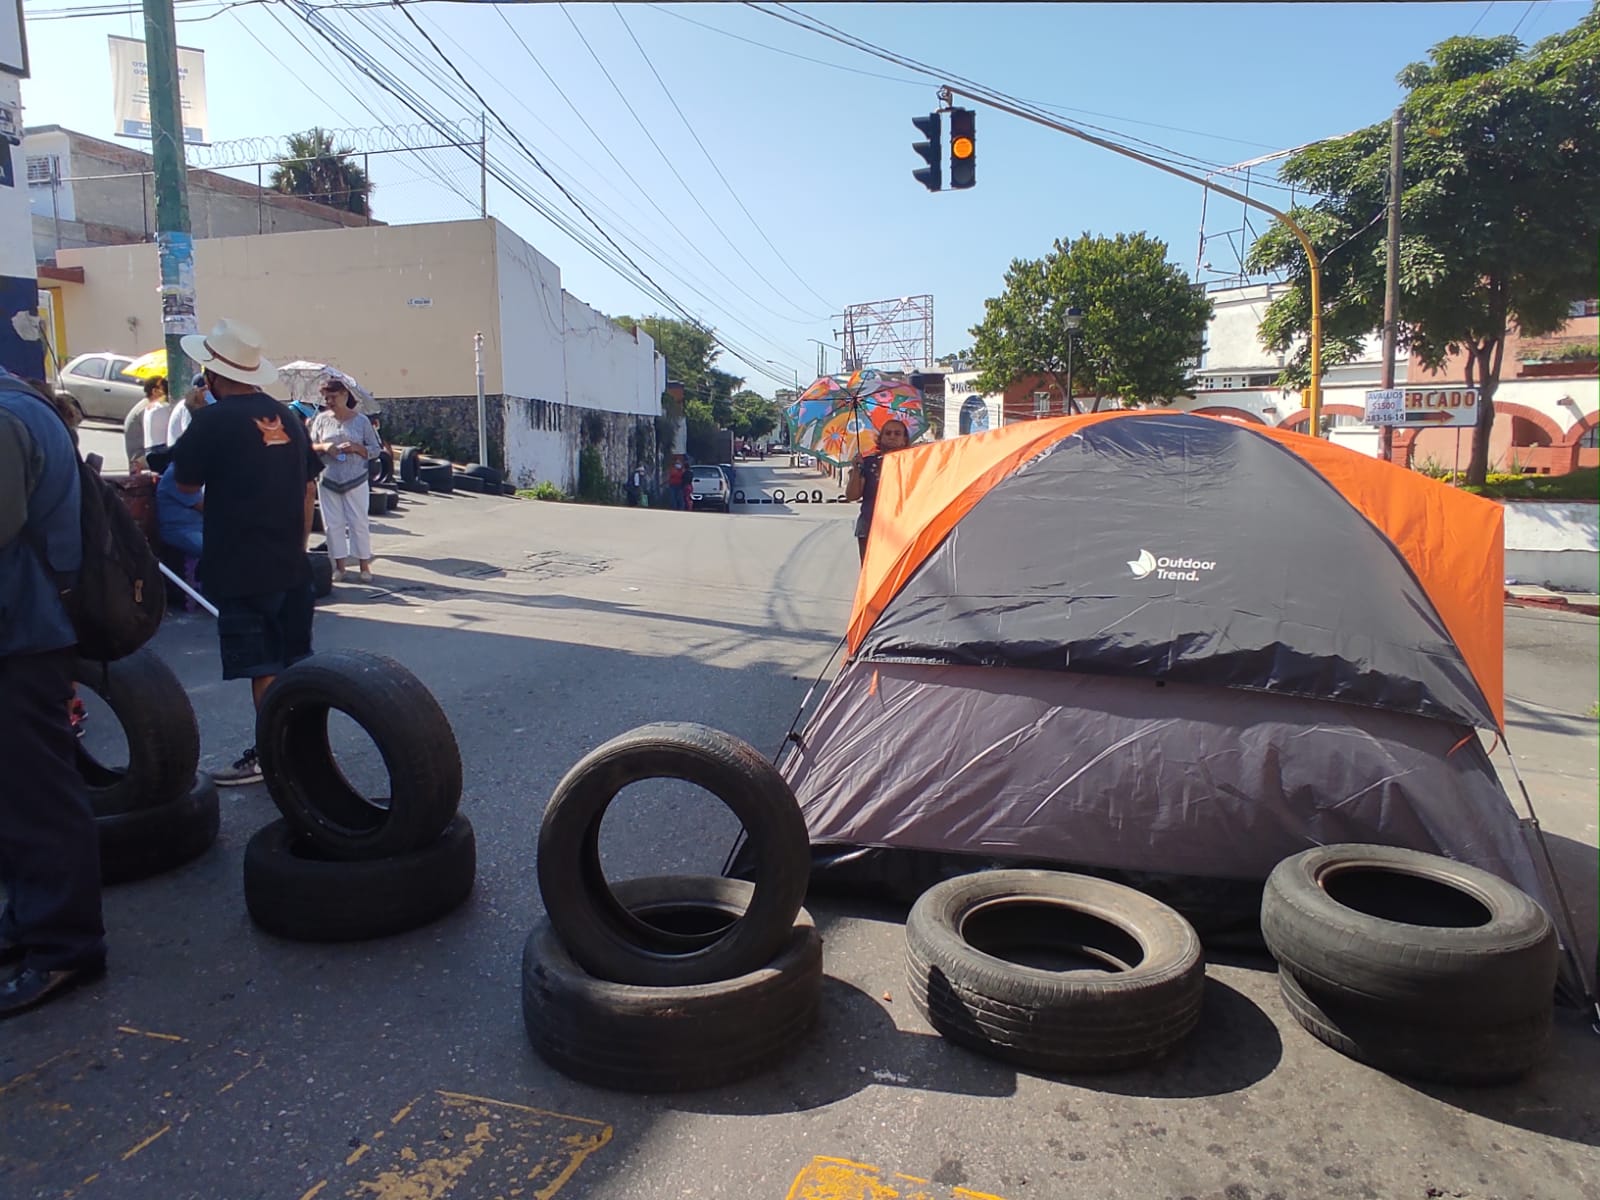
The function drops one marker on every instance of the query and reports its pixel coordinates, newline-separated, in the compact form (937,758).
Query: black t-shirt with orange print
(254,459)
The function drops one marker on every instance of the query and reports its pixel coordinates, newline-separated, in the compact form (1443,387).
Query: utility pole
(483,408)
(483,165)
(1391,284)
(174,246)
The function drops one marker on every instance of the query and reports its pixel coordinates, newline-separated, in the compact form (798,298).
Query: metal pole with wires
(483,407)
(1391,286)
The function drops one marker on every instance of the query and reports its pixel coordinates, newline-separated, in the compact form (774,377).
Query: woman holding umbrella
(345,439)
(864,472)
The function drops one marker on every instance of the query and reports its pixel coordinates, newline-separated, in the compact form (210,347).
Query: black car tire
(601,935)
(159,724)
(468,483)
(668,1039)
(292,891)
(1473,950)
(151,841)
(408,459)
(491,478)
(410,730)
(1421,1049)
(1054,1020)
(438,476)
(392,501)
(377,503)
(321,563)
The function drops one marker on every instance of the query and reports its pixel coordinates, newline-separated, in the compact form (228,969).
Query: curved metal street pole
(1314,391)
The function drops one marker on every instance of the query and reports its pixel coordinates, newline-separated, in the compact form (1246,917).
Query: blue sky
(818,154)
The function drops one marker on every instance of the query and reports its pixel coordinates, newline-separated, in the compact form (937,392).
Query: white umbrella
(304,378)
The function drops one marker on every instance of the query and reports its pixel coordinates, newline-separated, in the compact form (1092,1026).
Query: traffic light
(932,151)
(963,148)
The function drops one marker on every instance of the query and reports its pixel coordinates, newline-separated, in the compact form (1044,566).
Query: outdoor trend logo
(1180,569)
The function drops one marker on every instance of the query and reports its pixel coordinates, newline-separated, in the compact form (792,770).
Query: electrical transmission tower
(894,335)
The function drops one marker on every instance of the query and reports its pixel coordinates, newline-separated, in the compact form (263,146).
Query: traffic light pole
(174,246)
(1314,391)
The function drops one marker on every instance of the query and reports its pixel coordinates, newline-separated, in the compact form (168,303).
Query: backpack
(119,598)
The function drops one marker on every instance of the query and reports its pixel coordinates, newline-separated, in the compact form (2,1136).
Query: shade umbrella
(838,416)
(148,366)
(304,378)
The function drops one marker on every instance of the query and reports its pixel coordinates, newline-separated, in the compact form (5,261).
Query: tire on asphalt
(292,891)
(392,501)
(1412,937)
(665,1039)
(151,841)
(1423,1049)
(377,503)
(1068,1019)
(402,718)
(438,476)
(408,458)
(492,479)
(159,724)
(321,563)
(598,931)
(468,483)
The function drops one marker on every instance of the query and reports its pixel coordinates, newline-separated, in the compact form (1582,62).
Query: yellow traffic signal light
(963,148)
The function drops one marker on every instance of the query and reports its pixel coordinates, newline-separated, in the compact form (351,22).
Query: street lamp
(1072,319)
(772,362)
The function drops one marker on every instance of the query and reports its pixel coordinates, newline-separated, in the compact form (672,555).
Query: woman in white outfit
(346,441)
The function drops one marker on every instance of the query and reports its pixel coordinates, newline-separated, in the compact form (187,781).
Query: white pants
(345,521)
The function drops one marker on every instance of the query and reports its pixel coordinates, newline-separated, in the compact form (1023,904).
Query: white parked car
(710,488)
(100,386)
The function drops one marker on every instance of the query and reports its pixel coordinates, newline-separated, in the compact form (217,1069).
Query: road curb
(1556,602)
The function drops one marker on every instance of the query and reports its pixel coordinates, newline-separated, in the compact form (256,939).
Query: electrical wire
(805,317)
(686,124)
(685,239)
(1487,9)
(815,25)
(756,365)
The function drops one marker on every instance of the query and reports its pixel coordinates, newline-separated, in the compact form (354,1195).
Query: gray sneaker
(246,770)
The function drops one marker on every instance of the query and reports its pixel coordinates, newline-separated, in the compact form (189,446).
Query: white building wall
(609,369)
(43,148)
(528,343)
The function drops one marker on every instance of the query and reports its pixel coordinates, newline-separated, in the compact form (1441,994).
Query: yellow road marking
(842,1179)
(142,1145)
(33,1072)
(251,1070)
(165,1037)
(314,1189)
(401,1115)
(538,1112)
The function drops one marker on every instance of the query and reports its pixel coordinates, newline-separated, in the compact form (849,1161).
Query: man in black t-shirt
(252,457)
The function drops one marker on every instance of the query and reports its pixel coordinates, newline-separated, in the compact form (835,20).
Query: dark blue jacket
(32,617)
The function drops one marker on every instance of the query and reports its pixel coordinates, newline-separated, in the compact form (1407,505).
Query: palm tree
(314,169)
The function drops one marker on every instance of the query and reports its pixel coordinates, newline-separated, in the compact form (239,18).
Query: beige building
(398,307)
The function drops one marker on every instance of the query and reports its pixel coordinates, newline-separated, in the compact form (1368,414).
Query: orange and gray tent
(1170,643)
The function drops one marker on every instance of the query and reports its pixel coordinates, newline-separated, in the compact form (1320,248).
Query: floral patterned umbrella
(839,416)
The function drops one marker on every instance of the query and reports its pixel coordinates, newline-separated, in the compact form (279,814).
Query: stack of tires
(671,983)
(1052,971)
(341,866)
(1413,963)
(157,812)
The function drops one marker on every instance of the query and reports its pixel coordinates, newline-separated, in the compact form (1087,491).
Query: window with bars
(42,168)
(1041,404)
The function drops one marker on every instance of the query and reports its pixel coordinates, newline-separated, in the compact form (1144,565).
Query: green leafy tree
(691,352)
(1141,329)
(754,416)
(1500,211)
(313,168)
(701,434)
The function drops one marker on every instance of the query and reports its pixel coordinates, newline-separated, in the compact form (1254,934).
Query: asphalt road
(218,1062)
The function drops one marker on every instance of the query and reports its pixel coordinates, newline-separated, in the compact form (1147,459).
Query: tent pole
(1565,914)
(791,736)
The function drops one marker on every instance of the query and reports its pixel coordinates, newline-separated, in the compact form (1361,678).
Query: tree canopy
(313,168)
(754,416)
(1499,211)
(1142,321)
